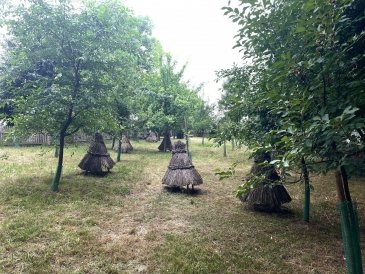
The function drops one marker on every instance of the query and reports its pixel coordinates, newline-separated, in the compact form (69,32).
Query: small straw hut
(270,194)
(152,137)
(125,145)
(97,160)
(166,143)
(181,171)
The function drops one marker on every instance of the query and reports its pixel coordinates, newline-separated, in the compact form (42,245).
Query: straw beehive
(270,194)
(181,171)
(97,160)
(125,145)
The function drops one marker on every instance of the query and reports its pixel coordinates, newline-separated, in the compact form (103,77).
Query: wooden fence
(39,139)
(35,139)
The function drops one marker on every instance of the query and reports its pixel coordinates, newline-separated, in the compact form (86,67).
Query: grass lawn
(127,222)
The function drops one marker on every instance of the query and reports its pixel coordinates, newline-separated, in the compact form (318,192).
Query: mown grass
(127,222)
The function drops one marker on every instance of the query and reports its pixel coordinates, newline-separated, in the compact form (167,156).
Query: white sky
(194,32)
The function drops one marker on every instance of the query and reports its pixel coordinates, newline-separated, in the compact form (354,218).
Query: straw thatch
(153,137)
(270,194)
(97,160)
(181,171)
(125,146)
(166,143)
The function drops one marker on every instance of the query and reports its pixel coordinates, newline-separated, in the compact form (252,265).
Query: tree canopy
(300,91)
(92,67)
(62,64)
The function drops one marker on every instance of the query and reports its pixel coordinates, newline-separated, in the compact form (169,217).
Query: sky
(195,32)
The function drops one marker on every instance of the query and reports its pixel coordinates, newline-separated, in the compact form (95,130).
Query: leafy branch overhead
(300,94)
(302,88)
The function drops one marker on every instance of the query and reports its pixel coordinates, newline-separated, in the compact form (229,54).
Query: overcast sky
(196,32)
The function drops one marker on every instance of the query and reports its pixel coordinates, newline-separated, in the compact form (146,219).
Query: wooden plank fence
(35,139)
(39,139)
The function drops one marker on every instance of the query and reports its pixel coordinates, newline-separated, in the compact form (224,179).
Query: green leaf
(300,29)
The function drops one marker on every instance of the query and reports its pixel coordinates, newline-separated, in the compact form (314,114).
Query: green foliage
(203,119)
(246,187)
(64,64)
(302,90)
(166,98)
(225,174)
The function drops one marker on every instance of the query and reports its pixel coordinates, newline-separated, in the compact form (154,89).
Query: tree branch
(74,131)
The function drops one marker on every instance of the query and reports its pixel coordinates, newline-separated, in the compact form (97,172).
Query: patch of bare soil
(140,226)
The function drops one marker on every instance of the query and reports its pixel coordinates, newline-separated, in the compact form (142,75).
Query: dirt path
(150,212)
(139,225)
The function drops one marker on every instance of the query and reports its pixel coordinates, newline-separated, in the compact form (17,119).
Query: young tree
(62,63)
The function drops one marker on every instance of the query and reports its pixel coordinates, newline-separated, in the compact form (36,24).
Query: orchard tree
(307,73)
(169,101)
(62,63)
(203,120)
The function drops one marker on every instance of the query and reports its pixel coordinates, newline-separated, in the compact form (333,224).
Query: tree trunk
(188,146)
(349,223)
(203,133)
(187,142)
(63,131)
(119,150)
(57,177)
(233,145)
(224,149)
(306,207)
(165,142)
(56,151)
(113,142)
(239,145)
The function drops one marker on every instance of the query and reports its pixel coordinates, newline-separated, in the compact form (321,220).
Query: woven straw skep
(270,194)
(126,145)
(166,143)
(152,137)
(267,197)
(181,171)
(97,159)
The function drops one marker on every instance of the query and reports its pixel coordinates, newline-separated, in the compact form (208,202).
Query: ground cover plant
(126,222)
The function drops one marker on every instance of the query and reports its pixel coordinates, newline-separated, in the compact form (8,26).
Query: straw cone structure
(270,195)
(97,160)
(181,171)
(152,137)
(166,143)
(126,145)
